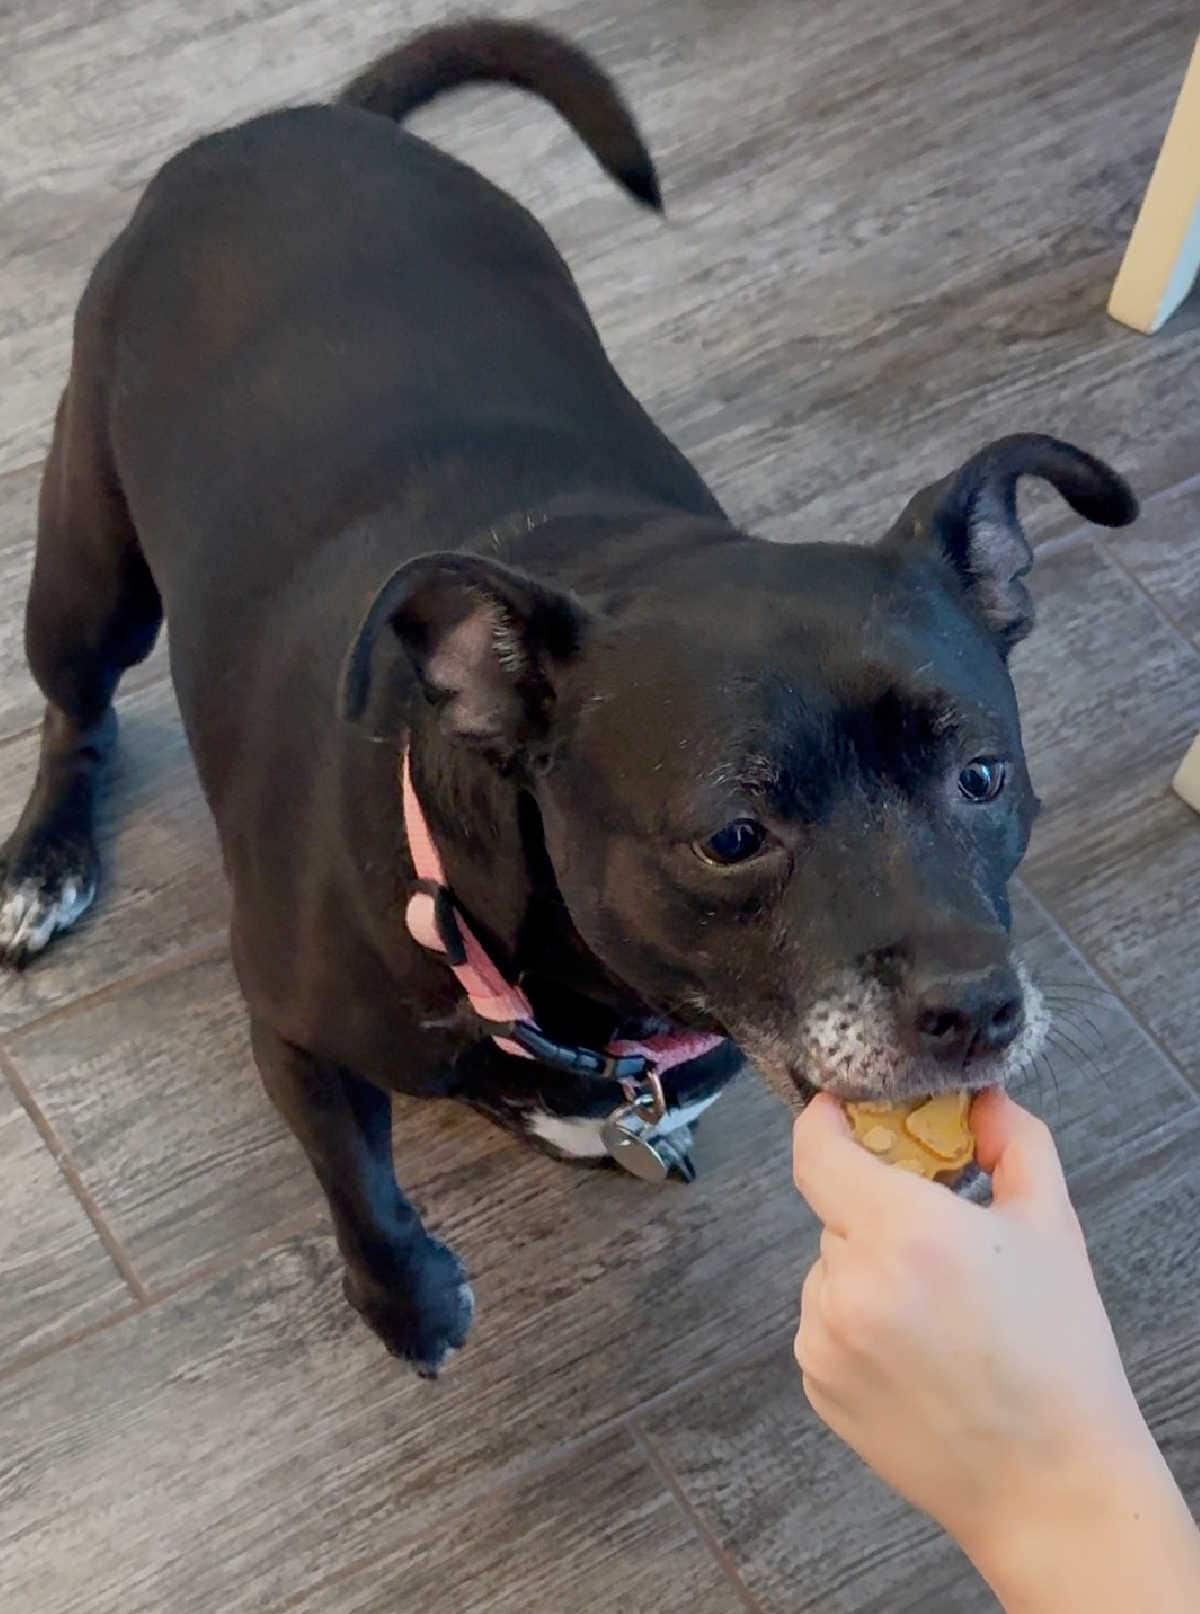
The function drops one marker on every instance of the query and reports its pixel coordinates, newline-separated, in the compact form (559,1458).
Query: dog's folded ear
(970,519)
(485,642)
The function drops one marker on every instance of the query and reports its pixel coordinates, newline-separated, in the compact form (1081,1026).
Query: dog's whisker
(1069,1046)
(1024,1074)
(1077,988)
(1032,1079)
(1070,1015)
(1068,1004)
(1101,1039)
(1088,1062)
(1077,1017)
(1046,1059)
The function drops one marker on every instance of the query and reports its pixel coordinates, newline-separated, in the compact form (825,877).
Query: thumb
(1018,1152)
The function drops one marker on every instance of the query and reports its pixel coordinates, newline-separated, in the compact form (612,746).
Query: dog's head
(782,787)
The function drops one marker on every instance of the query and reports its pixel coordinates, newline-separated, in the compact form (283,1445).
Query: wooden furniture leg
(1186,782)
(1163,256)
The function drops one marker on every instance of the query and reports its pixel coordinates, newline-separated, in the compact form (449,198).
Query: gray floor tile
(592,1531)
(309,1453)
(1111,699)
(1162,550)
(55,1274)
(1100,1083)
(155,1095)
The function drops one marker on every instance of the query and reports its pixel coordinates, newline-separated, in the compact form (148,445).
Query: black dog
(336,406)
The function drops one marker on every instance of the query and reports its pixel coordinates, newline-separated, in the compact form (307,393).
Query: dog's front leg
(410,1288)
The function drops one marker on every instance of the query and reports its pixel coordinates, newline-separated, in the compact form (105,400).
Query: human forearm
(1107,1533)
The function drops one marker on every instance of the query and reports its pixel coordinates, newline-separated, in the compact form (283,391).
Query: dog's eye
(736,843)
(983,779)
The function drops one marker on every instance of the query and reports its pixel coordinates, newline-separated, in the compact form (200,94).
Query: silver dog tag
(627,1133)
(632,1149)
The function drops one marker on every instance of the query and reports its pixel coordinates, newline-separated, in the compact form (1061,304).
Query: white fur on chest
(581,1137)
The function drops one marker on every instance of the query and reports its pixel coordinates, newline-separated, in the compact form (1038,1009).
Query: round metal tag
(634,1152)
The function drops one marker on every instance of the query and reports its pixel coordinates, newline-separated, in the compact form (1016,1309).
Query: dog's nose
(956,1019)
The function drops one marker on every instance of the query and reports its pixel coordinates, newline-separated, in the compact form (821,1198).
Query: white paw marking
(466,1297)
(29,917)
(581,1137)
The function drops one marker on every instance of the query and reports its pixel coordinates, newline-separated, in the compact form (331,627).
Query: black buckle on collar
(445,919)
(577,1061)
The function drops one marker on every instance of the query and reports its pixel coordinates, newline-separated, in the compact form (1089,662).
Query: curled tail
(487,51)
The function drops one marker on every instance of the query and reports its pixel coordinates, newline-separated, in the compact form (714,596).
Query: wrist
(1103,1524)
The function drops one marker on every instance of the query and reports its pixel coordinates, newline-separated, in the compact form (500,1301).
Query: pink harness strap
(494,999)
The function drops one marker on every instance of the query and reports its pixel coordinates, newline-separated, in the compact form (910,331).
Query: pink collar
(436,924)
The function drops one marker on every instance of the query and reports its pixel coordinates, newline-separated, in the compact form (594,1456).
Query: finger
(1016,1148)
(846,1187)
(811,1290)
(810,1390)
(822,1117)
(811,1331)
(833,1247)
(832,1412)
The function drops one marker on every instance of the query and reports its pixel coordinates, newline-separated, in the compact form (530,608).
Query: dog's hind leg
(93,611)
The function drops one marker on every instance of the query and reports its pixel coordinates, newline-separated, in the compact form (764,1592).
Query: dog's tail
(485,50)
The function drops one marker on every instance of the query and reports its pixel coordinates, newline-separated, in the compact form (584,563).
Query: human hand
(963,1352)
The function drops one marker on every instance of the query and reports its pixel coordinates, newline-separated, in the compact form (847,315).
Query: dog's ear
(970,519)
(485,642)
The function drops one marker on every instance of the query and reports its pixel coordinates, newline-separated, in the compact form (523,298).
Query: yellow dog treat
(930,1137)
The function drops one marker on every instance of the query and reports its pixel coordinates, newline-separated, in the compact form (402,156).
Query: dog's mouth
(847,1044)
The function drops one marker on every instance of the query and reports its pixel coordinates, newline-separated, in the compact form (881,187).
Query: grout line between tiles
(24,1360)
(1113,554)
(214,945)
(157,1294)
(1110,985)
(696,1380)
(17,735)
(1060,542)
(29,465)
(534,1464)
(313,1220)
(668,1478)
(1064,539)
(1183,485)
(1101,1170)
(484,1486)
(116,1252)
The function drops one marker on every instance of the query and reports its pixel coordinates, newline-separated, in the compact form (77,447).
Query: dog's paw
(425,1316)
(46,886)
